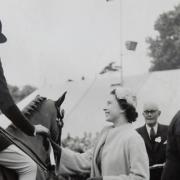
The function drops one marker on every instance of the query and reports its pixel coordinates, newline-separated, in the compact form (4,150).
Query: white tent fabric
(163,88)
(86,98)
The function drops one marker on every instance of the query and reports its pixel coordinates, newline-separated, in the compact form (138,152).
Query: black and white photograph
(90,90)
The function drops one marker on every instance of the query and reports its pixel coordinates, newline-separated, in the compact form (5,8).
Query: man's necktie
(152,134)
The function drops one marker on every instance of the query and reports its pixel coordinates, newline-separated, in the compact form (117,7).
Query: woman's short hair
(130,110)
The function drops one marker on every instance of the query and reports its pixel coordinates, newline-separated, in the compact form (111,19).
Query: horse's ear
(60,100)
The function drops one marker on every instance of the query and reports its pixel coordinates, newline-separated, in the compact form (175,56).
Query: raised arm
(12,112)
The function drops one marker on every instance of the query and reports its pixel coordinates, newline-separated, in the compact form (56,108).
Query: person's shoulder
(177,116)
(136,134)
(133,134)
(163,130)
(178,113)
(163,126)
(135,138)
(176,120)
(106,128)
(140,129)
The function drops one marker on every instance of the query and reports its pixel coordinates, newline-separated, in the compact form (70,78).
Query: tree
(165,48)
(26,90)
(18,94)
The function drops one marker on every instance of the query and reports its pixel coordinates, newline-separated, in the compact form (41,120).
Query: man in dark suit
(10,155)
(171,170)
(155,138)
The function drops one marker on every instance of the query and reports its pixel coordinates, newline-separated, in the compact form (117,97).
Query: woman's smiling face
(112,109)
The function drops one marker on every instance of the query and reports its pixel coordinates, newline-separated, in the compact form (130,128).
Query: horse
(39,111)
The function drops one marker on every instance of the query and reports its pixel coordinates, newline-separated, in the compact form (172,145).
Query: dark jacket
(156,150)
(172,167)
(9,109)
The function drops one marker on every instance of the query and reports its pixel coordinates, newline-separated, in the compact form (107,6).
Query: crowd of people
(163,161)
(80,144)
(153,133)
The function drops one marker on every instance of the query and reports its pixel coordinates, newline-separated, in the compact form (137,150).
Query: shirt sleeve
(75,163)
(9,108)
(5,98)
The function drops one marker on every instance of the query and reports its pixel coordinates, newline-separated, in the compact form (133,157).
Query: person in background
(10,155)
(119,153)
(171,170)
(155,138)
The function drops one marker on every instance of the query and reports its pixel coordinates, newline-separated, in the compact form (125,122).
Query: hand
(95,178)
(39,129)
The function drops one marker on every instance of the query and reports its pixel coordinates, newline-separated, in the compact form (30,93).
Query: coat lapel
(159,133)
(97,149)
(147,138)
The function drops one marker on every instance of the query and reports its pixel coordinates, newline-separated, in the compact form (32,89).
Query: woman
(119,153)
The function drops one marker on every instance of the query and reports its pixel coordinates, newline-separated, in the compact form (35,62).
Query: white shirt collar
(154,127)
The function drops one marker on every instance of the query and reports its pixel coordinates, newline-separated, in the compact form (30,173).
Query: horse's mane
(33,106)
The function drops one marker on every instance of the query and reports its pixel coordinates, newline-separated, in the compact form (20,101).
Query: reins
(36,159)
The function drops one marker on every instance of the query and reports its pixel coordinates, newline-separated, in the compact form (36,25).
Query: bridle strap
(60,124)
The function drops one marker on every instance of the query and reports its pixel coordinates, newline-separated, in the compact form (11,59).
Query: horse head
(60,116)
(48,113)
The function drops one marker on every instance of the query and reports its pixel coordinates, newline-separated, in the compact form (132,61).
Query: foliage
(164,49)
(19,94)
(80,144)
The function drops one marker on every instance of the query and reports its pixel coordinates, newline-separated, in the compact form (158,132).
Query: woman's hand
(40,129)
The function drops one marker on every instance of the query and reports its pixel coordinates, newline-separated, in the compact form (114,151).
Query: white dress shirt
(149,129)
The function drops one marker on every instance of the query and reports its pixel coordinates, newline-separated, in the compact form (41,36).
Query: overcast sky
(51,41)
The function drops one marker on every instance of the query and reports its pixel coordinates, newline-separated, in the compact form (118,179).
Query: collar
(124,126)
(154,127)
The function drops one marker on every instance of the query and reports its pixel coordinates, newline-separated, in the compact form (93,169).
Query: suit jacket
(123,156)
(157,150)
(172,167)
(6,100)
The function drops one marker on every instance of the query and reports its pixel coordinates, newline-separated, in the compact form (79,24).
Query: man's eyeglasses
(150,111)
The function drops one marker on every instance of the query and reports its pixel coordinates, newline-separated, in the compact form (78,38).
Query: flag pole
(130,45)
(121,45)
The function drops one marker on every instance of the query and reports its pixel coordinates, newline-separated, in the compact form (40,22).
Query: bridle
(60,124)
